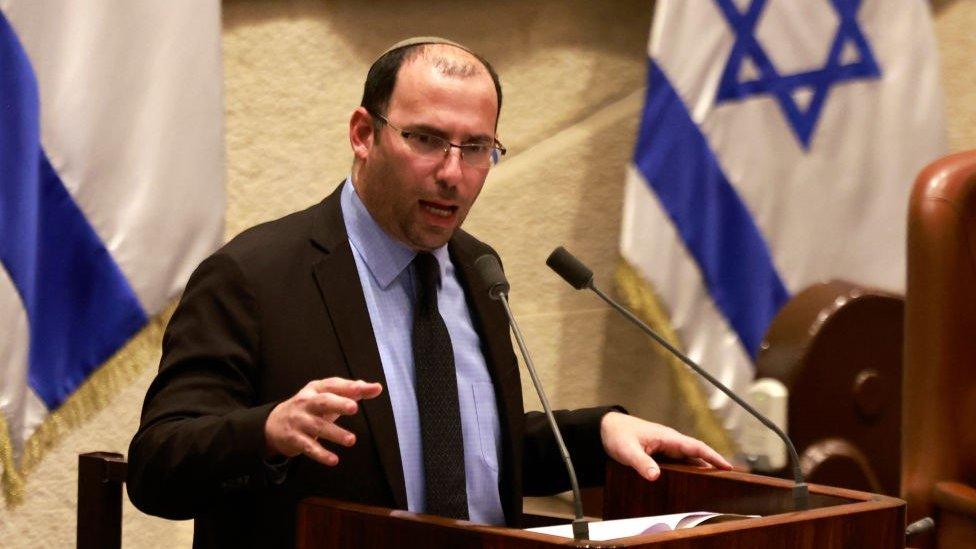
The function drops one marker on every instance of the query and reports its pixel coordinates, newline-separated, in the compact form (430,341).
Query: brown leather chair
(939,391)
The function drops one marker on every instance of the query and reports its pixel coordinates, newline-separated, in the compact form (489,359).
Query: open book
(612,529)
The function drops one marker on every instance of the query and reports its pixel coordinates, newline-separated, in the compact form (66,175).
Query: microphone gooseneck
(494,277)
(573,271)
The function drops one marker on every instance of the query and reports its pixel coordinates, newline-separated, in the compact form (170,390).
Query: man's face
(421,201)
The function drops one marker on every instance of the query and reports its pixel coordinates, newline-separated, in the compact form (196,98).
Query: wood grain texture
(837,518)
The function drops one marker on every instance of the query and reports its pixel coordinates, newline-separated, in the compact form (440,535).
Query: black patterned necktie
(437,399)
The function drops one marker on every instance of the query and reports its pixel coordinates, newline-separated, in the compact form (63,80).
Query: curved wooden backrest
(837,349)
(939,435)
(100,479)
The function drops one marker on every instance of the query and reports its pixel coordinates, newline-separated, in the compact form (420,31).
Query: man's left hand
(631,441)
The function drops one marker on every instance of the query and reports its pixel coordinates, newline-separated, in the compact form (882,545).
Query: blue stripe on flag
(676,161)
(80,307)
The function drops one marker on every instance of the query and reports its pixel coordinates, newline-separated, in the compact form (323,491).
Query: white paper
(622,528)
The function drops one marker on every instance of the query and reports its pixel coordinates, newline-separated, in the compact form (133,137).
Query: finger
(331,405)
(635,456)
(363,390)
(651,471)
(703,452)
(315,451)
(331,384)
(714,458)
(647,467)
(354,389)
(370,390)
(334,433)
(690,448)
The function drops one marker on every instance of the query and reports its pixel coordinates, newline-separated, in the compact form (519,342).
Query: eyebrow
(431,130)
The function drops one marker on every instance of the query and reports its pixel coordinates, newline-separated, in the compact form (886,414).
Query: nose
(450,170)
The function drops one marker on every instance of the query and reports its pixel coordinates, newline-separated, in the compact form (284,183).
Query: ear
(361,133)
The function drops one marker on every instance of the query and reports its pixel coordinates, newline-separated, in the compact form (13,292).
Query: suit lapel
(492,326)
(342,295)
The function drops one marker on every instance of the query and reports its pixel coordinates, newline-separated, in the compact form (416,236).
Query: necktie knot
(428,275)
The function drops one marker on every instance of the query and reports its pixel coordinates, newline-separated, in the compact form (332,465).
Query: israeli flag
(111,185)
(776,149)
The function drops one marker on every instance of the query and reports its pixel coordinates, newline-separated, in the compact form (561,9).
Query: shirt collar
(385,256)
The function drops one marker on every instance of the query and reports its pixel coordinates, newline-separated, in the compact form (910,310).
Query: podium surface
(836,517)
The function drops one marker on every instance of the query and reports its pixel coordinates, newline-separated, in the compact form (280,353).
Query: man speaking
(350,350)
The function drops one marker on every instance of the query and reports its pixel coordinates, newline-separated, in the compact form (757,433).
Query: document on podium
(612,529)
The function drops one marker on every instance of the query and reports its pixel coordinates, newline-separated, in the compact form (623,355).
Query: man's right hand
(295,425)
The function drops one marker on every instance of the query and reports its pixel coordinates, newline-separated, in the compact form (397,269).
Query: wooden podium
(836,518)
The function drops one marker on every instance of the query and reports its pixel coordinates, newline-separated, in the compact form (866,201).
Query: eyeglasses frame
(496,145)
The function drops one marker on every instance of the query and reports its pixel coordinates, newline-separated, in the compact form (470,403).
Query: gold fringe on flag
(13,483)
(639,295)
(91,397)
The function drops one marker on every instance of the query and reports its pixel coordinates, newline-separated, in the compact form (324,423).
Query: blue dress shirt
(388,283)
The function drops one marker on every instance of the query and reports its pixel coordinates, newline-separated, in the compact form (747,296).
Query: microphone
(491,273)
(579,276)
(493,276)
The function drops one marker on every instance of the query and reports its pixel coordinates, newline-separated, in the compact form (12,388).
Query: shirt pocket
(489,430)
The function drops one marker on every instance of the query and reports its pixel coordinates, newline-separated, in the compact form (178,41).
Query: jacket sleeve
(201,436)
(544,471)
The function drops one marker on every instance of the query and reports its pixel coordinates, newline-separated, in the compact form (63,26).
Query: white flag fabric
(111,184)
(777,147)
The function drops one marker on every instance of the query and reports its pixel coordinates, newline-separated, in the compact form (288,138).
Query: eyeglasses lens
(433,147)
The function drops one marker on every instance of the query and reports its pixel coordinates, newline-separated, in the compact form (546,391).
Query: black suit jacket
(279,306)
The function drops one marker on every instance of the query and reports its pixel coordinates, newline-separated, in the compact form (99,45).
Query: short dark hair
(382,77)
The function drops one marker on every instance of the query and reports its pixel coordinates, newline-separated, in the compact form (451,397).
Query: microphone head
(492,274)
(571,269)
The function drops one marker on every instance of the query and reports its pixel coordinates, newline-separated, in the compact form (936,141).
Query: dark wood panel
(100,479)
(839,518)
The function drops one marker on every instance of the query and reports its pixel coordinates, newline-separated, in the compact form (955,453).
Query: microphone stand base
(801,497)
(581,530)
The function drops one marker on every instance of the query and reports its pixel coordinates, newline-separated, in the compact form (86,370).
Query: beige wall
(955,21)
(573,74)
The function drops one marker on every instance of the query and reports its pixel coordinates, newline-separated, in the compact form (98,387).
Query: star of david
(849,58)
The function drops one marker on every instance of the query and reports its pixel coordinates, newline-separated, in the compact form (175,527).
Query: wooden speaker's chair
(939,392)
(837,347)
(100,479)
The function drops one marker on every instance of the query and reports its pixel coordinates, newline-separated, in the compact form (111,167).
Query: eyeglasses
(476,155)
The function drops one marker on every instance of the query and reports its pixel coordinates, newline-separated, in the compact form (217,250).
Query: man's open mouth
(440,210)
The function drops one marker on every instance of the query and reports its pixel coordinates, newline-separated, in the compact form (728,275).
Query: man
(259,399)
